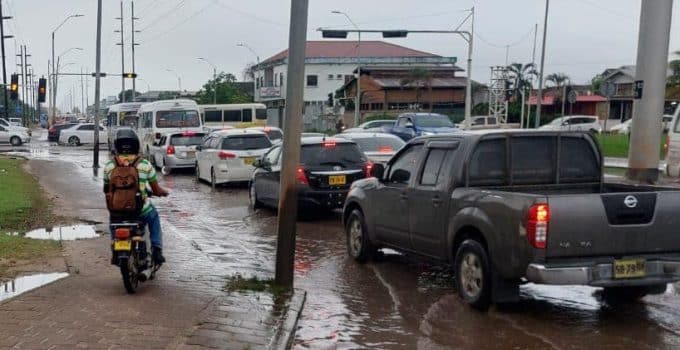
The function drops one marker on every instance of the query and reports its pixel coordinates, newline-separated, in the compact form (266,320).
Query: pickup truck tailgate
(613,224)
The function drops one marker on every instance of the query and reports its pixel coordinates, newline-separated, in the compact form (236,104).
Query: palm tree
(558,79)
(521,76)
(419,77)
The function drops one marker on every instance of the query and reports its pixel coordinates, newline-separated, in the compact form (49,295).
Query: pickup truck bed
(525,206)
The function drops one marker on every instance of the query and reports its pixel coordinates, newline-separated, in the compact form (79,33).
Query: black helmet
(126,141)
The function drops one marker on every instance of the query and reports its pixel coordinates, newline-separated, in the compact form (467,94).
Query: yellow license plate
(122,245)
(632,268)
(337,180)
(248,161)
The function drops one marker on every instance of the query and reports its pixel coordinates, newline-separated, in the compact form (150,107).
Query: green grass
(239,283)
(615,171)
(616,145)
(22,207)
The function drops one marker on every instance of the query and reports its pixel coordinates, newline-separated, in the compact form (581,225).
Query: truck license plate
(632,268)
(122,245)
(337,180)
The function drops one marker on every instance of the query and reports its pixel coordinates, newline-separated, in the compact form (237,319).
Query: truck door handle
(403,196)
(436,201)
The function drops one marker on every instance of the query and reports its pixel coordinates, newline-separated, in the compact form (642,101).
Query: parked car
(623,128)
(328,166)
(410,125)
(4,122)
(372,126)
(176,150)
(15,121)
(507,206)
(575,123)
(79,134)
(228,155)
(378,147)
(15,137)
(275,134)
(54,132)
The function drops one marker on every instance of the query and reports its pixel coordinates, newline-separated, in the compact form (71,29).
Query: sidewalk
(184,308)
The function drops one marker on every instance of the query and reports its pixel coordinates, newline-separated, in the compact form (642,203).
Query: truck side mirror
(378,171)
(400,176)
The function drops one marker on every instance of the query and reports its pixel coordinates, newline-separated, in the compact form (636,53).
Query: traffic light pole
(4,70)
(97,87)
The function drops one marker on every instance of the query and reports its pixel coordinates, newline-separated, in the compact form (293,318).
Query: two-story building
(328,66)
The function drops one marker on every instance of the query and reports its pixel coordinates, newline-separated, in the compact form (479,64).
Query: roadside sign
(571,97)
(637,89)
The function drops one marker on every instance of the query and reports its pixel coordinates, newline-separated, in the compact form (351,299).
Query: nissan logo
(337,168)
(630,201)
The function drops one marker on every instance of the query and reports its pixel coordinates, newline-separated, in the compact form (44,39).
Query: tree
(128,95)
(521,75)
(558,79)
(418,77)
(227,91)
(596,82)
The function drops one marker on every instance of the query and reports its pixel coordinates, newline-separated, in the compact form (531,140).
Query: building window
(348,78)
(339,77)
(257,82)
(376,106)
(330,76)
(312,80)
(280,79)
(364,106)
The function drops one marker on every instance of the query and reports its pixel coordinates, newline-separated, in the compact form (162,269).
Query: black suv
(328,166)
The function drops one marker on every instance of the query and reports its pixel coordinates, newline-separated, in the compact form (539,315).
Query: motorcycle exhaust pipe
(145,275)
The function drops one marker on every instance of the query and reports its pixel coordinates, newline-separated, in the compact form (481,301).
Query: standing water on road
(65,233)
(24,284)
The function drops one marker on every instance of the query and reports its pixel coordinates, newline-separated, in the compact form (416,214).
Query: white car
(378,147)
(15,121)
(79,134)
(9,125)
(378,125)
(228,155)
(13,136)
(575,123)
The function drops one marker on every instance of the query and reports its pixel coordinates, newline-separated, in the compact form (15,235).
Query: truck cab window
(487,164)
(405,165)
(433,165)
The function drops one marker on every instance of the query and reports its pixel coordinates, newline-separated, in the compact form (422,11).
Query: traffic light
(42,87)
(130,75)
(14,87)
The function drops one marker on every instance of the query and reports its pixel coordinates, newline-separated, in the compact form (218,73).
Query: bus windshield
(177,119)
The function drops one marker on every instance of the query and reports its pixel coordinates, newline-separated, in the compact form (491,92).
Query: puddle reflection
(24,284)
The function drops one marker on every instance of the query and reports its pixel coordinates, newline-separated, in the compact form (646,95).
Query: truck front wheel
(473,275)
(359,245)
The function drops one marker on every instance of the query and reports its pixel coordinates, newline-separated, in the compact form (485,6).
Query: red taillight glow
(329,144)
(52,129)
(368,167)
(385,149)
(122,233)
(170,150)
(189,133)
(537,225)
(301,177)
(226,155)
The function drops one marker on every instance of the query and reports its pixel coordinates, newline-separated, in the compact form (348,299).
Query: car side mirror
(378,171)
(400,176)
(565,123)
(257,163)
(409,125)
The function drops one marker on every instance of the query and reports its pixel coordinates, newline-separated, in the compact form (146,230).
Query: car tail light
(170,150)
(329,144)
(301,177)
(385,149)
(189,133)
(226,155)
(666,144)
(368,167)
(122,233)
(537,225)
(52,129)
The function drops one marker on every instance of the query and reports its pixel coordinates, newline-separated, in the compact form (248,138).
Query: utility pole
(134,79)
(287,219)
(87,91)
(4,70)
(82,92)
(31,93)
(468,88)
(539,98)
(122,54)
(20,101)
(97,86)
(649,90)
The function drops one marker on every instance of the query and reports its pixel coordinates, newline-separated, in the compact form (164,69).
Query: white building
(328,65)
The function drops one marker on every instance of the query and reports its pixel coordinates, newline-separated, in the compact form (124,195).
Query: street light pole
(54,83)
(4,70)
(97,87)
(539,98)
(214,78)
(179,80)
(250,49)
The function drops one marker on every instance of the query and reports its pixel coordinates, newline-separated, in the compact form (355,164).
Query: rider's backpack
(124,197)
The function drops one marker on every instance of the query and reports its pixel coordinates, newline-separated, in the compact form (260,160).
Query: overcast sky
(584,36)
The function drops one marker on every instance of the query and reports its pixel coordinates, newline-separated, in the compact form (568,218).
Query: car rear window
(274,135)
(532,160)
(246,142)
(577,161)
(187,139)
(379,144)
(345,154)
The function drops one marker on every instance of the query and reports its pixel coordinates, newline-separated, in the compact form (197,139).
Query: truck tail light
(368,167)
(226,155)
(301,177)
(538,219)
(666,144)
(170,150)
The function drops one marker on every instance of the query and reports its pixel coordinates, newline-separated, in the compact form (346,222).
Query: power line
(512,44)
(164,15)
(180,23)
(607,10)
(247,14)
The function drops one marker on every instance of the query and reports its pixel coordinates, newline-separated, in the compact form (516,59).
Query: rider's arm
(158,190)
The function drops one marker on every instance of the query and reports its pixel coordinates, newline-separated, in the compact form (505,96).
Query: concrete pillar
(652,62)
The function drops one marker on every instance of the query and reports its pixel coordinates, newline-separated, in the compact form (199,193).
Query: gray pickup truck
(506,207)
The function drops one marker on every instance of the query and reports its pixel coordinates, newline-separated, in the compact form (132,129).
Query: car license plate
(337,180)
(122,245)
(632,268)
(190,154)
(249,161)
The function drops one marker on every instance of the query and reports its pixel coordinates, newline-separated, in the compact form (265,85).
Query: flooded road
(397,302)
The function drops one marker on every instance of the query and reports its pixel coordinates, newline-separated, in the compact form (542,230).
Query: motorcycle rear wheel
(129,274)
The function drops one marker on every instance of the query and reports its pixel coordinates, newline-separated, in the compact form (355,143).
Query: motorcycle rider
(126,152)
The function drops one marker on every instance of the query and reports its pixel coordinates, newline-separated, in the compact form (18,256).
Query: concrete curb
(283,340)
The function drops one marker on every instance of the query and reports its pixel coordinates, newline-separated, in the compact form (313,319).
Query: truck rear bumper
(602,275)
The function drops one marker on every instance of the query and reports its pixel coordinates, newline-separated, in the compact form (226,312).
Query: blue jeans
(153,221)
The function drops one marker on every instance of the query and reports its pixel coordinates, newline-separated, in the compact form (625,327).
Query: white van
(121,114)
(160,117)
(220,116)
(672,146)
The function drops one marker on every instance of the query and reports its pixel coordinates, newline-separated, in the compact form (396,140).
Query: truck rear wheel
(359,246)
(473,274)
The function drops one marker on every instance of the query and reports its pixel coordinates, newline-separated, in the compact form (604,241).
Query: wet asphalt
(398,302)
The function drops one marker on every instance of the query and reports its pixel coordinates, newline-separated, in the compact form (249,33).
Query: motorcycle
(131,249)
